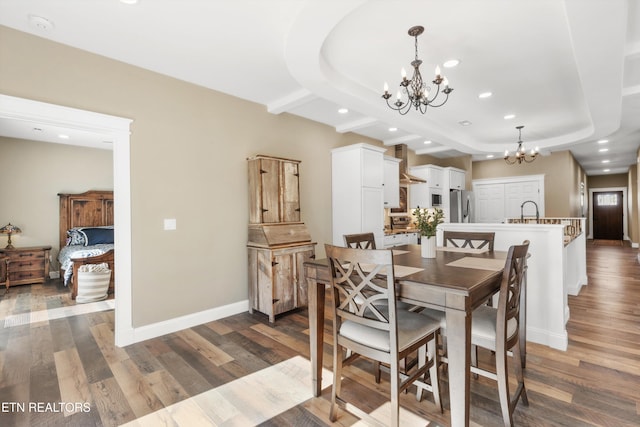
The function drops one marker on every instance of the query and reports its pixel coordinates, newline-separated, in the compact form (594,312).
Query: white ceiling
(569,70)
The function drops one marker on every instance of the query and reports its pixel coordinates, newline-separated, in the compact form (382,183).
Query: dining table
(456,281)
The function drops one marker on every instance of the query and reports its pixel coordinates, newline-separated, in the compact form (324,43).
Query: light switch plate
(170,224)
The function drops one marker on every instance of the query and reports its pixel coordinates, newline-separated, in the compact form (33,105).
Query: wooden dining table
(455,282)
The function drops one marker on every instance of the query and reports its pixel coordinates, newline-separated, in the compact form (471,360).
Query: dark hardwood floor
(227,372)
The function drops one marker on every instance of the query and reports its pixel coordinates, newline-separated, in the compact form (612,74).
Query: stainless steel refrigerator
(461,206)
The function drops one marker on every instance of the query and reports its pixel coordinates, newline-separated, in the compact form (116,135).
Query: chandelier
(520,155)
(418,93)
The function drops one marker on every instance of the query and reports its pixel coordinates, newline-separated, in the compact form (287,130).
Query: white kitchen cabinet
(412,238)
(357,192)
(391,182)
(393,240)
(420,194)
(457,179)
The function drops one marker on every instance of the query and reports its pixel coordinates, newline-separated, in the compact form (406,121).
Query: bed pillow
(75,237)
(97,235)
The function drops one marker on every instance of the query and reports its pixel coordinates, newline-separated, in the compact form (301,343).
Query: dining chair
(498,329)
(360,241)
(470,240)
(359,279)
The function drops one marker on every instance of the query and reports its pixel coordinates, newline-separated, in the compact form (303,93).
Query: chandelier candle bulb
(403,73)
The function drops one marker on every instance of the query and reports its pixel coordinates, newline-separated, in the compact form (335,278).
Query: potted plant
(427,221)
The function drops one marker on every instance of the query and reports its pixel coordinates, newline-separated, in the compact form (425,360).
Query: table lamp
(10,229)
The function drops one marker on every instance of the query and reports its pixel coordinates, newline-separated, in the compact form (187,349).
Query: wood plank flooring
(61,368)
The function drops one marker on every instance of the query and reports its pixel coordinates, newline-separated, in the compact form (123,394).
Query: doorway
(608,213)
(116,129)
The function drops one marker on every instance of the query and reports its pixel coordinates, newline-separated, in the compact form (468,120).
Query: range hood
(405,176)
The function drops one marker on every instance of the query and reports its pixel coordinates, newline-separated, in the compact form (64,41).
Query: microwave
(436,197)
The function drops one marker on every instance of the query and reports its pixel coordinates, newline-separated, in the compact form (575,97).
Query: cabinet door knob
(264,210)
(273,263)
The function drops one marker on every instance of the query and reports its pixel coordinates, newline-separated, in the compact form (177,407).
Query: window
(607,200)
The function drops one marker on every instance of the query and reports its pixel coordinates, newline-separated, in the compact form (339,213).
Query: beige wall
(606,181)
(33,173)
(188,161)
(562,176)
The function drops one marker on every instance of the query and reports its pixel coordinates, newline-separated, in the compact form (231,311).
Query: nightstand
(26,265)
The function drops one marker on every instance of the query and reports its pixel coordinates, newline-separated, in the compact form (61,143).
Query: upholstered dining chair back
(360,241)
(469,240)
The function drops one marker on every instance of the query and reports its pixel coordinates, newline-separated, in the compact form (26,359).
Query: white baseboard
(548,338)
(154,330)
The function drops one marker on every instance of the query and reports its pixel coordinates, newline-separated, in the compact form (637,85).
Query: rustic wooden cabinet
(26,265)
(277,283)
(278,243)
(274,192)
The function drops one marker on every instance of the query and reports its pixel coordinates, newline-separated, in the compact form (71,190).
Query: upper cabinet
(456,178)
(391,182)
(434,175)
(274,191)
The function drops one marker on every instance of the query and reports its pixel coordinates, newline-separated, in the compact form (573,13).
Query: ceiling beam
(356,124)
(291,101)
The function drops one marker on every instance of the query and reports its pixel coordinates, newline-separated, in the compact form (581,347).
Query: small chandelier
(520,155)
(417,91)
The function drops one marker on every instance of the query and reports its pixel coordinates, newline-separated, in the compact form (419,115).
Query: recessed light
(489,156)
(63,136)
(605,161)
(451,63)
(129,1)
(485,95)
(428,141)
(393,129)
(343,110)
(606,170)
(464,123)
(509,116)
(603,150)
(603,141)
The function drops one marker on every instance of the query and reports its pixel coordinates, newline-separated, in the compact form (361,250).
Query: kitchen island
(557,268)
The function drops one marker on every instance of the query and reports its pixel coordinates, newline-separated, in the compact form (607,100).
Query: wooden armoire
(278,242)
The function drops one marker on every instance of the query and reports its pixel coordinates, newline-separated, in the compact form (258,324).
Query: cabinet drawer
(17,276)
(26,256)
(27,264)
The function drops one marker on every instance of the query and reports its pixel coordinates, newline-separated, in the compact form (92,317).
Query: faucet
(522,211)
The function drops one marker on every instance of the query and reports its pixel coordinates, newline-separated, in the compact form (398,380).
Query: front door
(607,215)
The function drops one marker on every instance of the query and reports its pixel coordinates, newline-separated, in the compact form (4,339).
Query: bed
(85,218)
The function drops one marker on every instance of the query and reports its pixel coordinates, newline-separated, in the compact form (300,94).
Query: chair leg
(517,357)
(503,387)
(433,372)
(394,375)
(422,360)
(337,381)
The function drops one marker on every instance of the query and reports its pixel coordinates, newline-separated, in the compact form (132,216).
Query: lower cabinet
(276,278)
(393,240)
